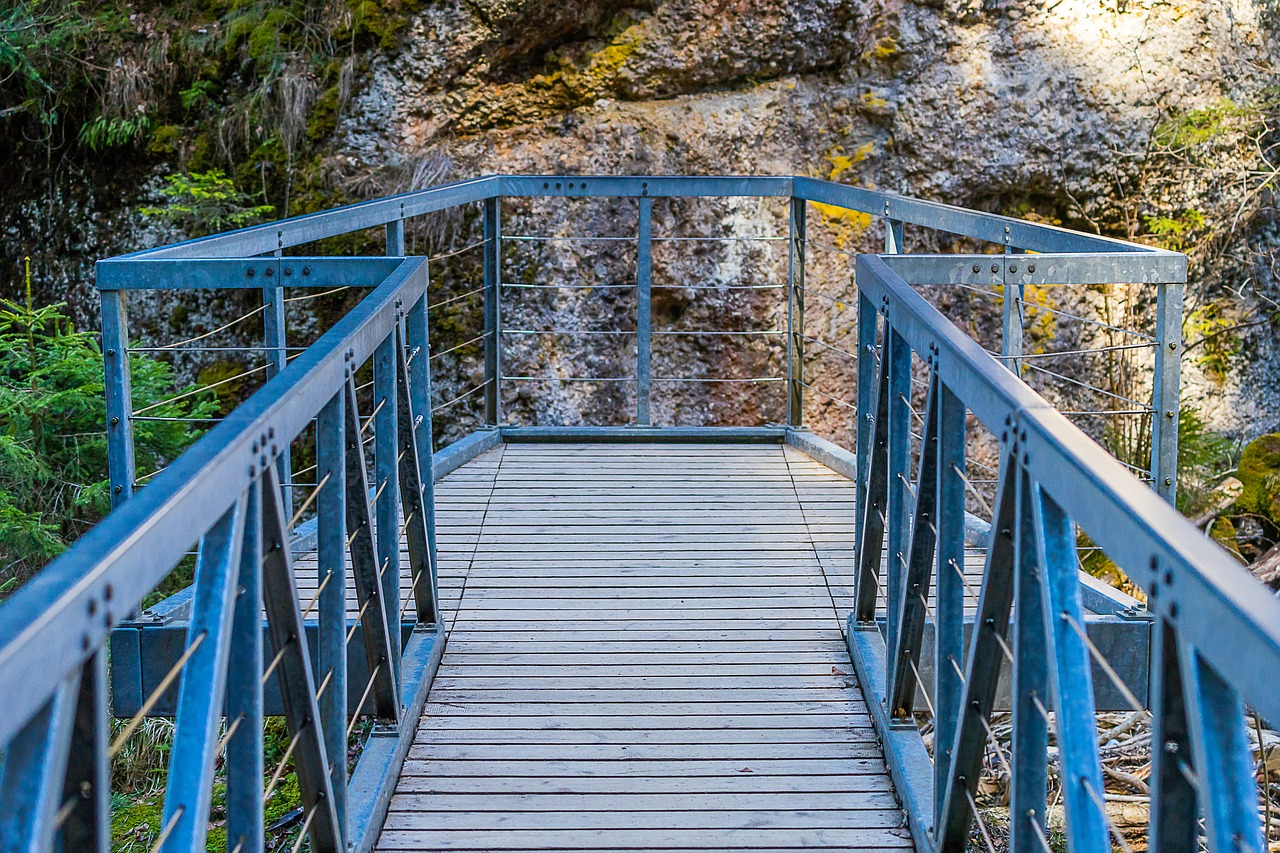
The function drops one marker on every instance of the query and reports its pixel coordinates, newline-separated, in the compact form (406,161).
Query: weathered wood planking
(646,655)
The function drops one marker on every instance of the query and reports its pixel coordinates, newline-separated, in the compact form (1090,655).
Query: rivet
(306,270)
(288,270)
(1031,268)
(977,268)
(1013,267)
(995,268)
(115,421)
(111,352)
(119,489)
(268,272)
(250,272)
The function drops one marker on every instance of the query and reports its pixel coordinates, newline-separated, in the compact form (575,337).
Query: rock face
(1041,109)
(1058,110)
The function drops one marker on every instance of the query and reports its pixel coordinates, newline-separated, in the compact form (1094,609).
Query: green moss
(135,823)
(1259,472)
(1224,533)
(324,115)
(166,139)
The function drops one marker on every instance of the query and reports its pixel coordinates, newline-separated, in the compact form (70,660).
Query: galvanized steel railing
(1215,640)
(230,493)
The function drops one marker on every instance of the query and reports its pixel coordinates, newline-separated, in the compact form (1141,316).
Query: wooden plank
(794,707)
(638,786)
(860,816)
(635,752)
(426,801)
(517,681)
(638,839)
(742,670)
(655,726)
(597,733)
(420,764)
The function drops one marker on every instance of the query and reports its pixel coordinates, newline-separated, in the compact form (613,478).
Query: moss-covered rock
(1260,474)
(1223,532)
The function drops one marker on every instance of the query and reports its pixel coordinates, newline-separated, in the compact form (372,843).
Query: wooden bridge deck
(644,654)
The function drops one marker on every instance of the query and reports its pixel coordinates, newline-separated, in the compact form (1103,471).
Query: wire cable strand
(255,312)
(136,720)
(454,252)
(194,391)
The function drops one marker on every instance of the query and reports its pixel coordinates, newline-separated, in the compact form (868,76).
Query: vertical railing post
(1174,821)
(395,237)
(865,412)
(948,629)
(1166,390)
(644,313)
(492,312)
(87,786)
(892,234)
(119,394)
(274,342)
(795,313)
(897,522)
(420,389)
(1030,745)
(1011,326)
(331,554)
(386,489)
(244,758)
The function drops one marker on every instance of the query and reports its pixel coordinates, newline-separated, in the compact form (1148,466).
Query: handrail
(1207,608)
(225,493)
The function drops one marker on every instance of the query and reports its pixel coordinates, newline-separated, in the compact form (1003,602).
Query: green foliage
(197,94)
(206,202)
(1203,456)
(36,45)
(105,132)
(1214,331)
(53,452)
(1176,232)
(1201,126)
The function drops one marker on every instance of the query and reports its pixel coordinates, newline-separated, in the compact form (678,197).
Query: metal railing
(1215,640)
(233,494)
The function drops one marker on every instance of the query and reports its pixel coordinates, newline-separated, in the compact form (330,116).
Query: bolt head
(977,268)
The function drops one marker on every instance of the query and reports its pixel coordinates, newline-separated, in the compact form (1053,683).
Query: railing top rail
(994,228)
(1190,581)
(44,634)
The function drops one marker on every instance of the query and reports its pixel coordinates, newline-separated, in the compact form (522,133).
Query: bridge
(652,633)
